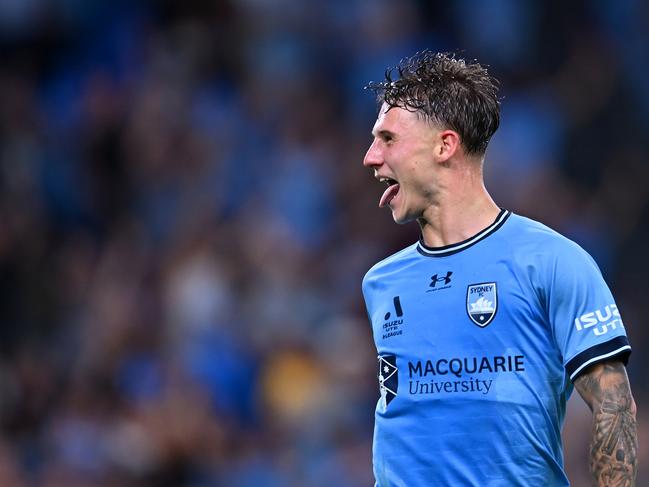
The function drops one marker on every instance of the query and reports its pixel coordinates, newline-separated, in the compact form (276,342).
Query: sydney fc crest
(482,302)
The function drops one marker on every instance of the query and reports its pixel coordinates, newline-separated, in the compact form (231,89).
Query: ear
(449,144)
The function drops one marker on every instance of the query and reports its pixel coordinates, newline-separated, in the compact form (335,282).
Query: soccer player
(484,326)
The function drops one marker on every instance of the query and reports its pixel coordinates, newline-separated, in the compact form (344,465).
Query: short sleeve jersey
(478,344)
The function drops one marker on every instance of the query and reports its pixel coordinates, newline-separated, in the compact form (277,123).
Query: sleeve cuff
(616,347)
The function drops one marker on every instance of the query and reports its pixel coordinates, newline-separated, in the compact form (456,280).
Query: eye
(387,138)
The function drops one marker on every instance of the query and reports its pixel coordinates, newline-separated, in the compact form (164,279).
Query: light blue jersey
(478,345)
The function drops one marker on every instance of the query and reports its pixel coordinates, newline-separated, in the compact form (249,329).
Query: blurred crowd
(185,220)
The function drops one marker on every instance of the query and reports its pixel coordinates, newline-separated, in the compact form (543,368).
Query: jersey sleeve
(584,317)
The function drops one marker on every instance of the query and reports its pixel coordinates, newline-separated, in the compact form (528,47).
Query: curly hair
(448,91)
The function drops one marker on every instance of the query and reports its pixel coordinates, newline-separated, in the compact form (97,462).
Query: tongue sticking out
(388,195)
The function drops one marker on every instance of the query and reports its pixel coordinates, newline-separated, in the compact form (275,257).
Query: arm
(605,388)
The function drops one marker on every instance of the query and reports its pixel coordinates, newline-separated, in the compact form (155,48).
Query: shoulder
(550,264)
(530,232)
(389,265)
(534,243)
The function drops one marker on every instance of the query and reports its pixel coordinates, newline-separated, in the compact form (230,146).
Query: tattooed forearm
(605,388)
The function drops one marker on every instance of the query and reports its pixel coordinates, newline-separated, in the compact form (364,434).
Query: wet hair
(448,91)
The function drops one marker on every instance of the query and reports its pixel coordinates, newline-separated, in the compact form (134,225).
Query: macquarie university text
(431,376)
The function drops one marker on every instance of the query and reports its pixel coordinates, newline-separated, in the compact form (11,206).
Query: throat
(442,229)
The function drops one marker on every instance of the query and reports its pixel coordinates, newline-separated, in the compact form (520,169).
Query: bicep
(605,383)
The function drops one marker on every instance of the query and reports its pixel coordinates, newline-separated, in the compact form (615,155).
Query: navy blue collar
(423,249)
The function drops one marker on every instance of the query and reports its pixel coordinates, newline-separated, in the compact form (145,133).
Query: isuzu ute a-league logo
(388,379)
(392,324)
(481,303)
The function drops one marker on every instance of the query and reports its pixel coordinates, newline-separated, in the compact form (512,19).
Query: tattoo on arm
(605,388)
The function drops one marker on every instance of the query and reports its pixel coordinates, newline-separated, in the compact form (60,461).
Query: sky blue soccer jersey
(478,344)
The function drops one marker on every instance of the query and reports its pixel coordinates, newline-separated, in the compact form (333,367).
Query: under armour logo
(446,279)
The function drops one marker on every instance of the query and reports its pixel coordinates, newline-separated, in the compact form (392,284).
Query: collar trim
(427,251)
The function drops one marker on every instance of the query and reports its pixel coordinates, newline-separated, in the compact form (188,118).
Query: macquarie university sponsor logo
(388,379)
(601,321)
(440,281)
(392,323)
(460,375)
(482,303)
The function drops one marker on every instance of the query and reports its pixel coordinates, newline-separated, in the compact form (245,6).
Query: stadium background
(185,221)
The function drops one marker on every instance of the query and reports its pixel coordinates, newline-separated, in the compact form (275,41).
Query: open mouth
(390,192)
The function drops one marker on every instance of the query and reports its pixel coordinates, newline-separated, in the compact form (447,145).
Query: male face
(402,156)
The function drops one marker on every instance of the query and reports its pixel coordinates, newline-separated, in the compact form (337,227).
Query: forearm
(614,445)
(605,388)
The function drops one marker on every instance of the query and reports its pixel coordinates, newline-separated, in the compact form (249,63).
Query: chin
(401,219)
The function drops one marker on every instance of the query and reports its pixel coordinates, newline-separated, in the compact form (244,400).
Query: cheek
(419,182)
(417,173)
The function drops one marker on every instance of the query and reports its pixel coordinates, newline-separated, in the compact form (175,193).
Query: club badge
(481,303)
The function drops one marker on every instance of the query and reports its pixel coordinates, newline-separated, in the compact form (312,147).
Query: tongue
(388,195)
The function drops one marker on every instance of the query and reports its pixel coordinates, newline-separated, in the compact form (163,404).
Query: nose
(373,157)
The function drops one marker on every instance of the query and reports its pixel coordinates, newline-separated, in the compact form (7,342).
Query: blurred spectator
(185,222)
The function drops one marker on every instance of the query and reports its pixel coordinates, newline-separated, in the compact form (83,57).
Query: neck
(461,211)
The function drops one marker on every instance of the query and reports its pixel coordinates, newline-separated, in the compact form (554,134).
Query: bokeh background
(185,220)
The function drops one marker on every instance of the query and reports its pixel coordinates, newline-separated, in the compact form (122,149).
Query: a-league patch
(388,379)
(482,302)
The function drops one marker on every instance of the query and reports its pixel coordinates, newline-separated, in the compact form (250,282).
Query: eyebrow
(383,133)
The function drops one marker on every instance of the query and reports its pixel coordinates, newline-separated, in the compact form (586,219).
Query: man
(484,326)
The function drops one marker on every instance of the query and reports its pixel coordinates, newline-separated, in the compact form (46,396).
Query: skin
(442,188)
(613,451)
(440,185)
